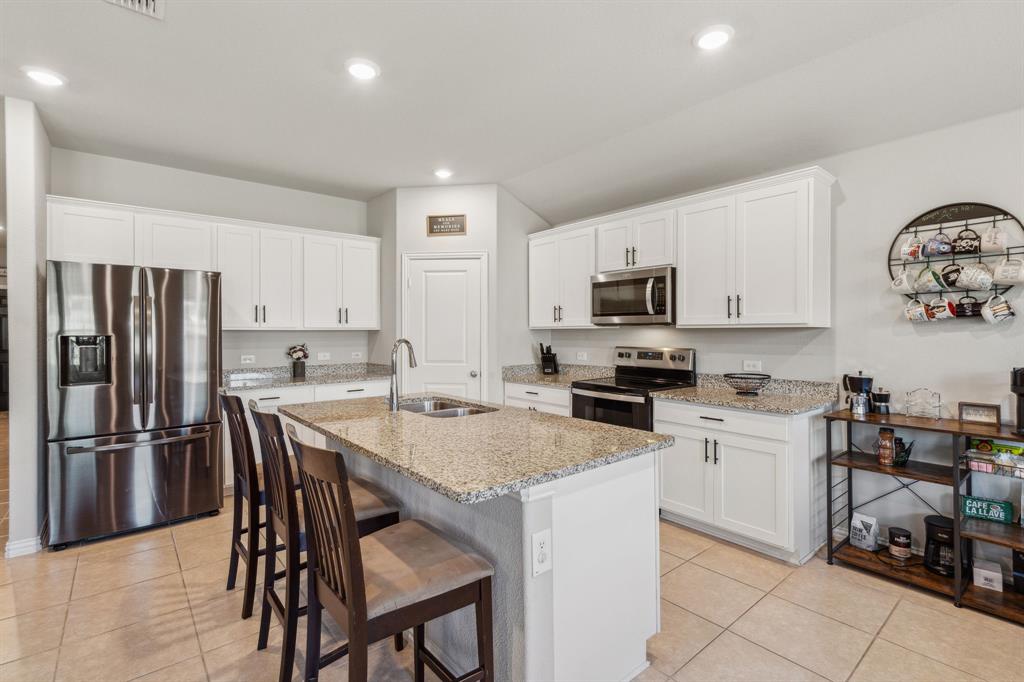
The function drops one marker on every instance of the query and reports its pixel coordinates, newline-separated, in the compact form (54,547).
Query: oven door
(633,297)
(631,411)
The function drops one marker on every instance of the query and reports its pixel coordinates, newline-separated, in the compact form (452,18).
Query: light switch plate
(356,355)
(581,355)
(751,365)
(323,356)
(248,360)
(542,551)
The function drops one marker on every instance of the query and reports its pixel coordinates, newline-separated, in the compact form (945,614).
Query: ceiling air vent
(151,8)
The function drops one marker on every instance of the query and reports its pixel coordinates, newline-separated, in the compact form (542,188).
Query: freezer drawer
(99,486)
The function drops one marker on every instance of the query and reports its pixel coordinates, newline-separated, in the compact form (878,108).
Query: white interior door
(443,318)
(706,262)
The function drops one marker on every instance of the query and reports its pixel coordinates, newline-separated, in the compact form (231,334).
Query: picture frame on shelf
(980,413)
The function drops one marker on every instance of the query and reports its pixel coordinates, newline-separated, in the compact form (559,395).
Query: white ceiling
(576,107)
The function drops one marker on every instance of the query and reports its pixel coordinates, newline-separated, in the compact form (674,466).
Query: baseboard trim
(22,547)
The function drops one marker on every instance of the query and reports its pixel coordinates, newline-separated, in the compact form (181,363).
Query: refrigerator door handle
(75,450)
(138,308)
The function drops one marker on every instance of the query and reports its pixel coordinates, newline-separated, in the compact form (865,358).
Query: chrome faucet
(393,396)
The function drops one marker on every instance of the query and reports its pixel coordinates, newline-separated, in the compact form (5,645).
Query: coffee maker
(1017,386)
(880,401)
(858,389)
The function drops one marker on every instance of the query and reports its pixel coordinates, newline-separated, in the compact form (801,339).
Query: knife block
(549,363)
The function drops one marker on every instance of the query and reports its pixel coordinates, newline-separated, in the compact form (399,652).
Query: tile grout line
(191,612)
(874,638)
(64,627)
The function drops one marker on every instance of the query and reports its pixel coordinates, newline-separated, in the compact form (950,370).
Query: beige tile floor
(152,606)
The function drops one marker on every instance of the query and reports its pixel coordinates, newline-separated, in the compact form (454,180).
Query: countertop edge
(543,384)
(740,408)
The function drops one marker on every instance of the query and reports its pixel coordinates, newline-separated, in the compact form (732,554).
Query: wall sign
(446,225)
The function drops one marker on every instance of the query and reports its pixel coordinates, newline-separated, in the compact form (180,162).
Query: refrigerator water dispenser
(84,360)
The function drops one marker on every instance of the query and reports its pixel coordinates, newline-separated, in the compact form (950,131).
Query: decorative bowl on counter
(747,383)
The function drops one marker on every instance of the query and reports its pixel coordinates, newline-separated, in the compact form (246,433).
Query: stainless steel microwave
(633,297)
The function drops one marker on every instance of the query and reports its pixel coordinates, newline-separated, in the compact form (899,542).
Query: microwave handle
(650,296)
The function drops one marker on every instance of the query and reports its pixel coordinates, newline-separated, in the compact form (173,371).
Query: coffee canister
(899,542)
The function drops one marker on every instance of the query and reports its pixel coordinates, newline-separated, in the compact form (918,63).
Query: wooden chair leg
(236,532)
(252,559)
(358,654)
(291,620)
(484,637)
(399,641)
(269,566)
(417,657)
(313,612)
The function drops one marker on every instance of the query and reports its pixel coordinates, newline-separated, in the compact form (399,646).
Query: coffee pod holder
(962,227)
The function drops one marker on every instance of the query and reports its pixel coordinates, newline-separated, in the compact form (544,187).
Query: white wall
(27,178)
(880,189)
(380,222)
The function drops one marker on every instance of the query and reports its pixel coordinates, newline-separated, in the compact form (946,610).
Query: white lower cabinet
(751,478)
(539,398)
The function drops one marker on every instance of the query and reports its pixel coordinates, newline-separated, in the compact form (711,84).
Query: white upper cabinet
(559,279)
(171,241)
(704,279)
(238,260)
(280,280)
(643,241)
(89,233)
(360,284)
(321,287)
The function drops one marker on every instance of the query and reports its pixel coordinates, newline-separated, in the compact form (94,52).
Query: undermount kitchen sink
(443,408)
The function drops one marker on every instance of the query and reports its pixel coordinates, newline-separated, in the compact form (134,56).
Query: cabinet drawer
(542,394)
(360,389)
(730,421)
(270,397)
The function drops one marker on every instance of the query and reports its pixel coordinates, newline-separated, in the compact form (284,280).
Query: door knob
(473,373)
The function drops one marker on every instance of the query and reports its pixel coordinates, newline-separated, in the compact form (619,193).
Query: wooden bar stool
(382,584)
(376,510)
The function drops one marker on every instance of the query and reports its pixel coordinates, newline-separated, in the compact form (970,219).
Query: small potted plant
(299,354)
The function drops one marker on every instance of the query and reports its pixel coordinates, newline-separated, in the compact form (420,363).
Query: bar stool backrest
(243,458)
(277,476)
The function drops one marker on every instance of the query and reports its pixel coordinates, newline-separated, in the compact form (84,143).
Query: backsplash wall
(269,346)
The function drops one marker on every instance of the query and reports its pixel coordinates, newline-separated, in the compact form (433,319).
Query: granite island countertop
(278,377)
(780,396)
(478,457)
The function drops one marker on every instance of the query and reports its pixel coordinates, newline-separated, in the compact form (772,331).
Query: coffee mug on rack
(916,311)
(996,310)
(903,282)
(968,306)
(994,240)
(941,309)
(975,276)
(911,249)
(950,274)
(967,241)
(1010,271)
(939,245)
(929,281)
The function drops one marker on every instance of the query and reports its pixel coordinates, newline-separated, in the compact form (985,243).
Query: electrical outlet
(751,365)
(323,356)
(248,360)
(356,355)
(581,355)
(541,551)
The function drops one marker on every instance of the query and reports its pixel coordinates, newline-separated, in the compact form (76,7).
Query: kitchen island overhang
(498,479)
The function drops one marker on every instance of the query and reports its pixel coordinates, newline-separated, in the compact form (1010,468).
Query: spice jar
(899,543)
(885,447)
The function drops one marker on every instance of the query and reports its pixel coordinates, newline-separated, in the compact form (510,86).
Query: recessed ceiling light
(362,69)
(443,173)
(44,76)
(713,37)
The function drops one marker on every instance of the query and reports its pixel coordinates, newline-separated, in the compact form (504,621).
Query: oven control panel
(667,358)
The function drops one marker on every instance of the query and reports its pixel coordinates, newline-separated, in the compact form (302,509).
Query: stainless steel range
(133,366)
(625,399)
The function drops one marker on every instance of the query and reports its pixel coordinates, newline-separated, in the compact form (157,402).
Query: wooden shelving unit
(1007,604)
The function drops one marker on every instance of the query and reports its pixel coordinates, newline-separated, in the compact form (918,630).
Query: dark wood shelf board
(920,471)
(915,575)
(1006,534)
(1006,604)
(953,427)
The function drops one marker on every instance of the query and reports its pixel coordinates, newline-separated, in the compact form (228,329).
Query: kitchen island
(579,608)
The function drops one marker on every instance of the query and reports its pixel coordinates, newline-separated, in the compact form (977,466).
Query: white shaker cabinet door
(575,267)
(238,259)
(280,279)
(752,490)
(321,282)
(685,473)
(360,276)
(90,234)
(543,282)
(706,261)
(615,246)
(654,238)
(772,260)
(171,241)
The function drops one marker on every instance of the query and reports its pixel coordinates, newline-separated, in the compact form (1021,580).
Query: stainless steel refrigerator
(133,423)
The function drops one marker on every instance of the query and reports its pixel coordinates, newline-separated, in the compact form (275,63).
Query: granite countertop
(779,396)
(534,375)
(278,377)
(478,457)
